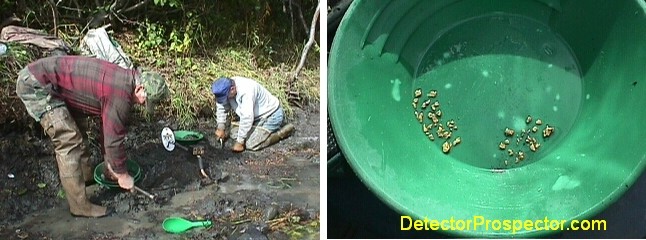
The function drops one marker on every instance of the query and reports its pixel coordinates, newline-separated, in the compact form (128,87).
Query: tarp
(32,36)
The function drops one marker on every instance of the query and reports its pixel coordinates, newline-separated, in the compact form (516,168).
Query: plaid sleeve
(115,116)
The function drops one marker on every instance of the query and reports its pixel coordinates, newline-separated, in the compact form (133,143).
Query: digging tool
(180,225)
(168,140)
(198,151)
(221,143)
(145,193)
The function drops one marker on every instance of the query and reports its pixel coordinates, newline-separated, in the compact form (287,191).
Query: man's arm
(221,114)
(114,117)
(246,116)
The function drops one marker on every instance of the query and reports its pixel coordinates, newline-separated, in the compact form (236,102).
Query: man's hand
(238,147)
(220,134)
(124,179)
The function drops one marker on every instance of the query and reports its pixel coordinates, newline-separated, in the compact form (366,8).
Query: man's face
(140,95)
(233,92)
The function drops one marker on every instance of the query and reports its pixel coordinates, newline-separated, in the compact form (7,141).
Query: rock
(278,235)
(303,214)
(313,213)
(122,208)
(270,213)
(263,228)
(252,234)
(224,177)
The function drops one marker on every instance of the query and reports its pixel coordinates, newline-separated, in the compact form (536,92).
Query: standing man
(58,90)
(261,115)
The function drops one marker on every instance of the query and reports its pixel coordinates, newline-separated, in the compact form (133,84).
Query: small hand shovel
(180,225)
(145,193)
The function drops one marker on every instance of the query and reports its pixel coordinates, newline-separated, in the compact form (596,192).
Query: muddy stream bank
(269,194)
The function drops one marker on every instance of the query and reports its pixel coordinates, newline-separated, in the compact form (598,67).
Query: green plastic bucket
(133,169)
(579,68)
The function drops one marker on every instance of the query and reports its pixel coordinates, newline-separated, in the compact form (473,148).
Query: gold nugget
(435,106)
(457,141)
(450,124)
(534,146)
(426,103)
(432,94)
(420,117)
(447,134)
(433,117)
(509,132)
(418,92)
(426,128)
(446,147)
(547,132)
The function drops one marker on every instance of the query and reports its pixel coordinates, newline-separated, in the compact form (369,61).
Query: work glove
(124,179)
(238,147)
(220,134)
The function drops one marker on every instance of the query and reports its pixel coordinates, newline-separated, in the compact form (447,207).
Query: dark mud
(269,194)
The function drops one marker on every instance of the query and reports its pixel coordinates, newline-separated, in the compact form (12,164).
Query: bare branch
(295,8)
(291,15)
(309,43)
(113,5)
(300,15)
(135,7)
(123,19)
(78,7)
(55,15)
(71,9)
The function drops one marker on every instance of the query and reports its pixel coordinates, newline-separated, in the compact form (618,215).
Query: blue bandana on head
(221,88)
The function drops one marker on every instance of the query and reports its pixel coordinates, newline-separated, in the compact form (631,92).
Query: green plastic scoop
(180,225)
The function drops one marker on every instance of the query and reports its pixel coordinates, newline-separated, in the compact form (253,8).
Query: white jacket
(252,102)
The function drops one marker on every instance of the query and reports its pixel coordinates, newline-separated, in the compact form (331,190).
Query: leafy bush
(192,42)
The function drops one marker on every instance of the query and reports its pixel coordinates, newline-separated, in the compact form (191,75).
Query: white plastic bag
(97,43)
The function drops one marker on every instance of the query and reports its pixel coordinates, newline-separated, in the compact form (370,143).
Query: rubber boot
(83,123)
(285,131)
(86,170)
(80,206)
(67,139)
(275,137)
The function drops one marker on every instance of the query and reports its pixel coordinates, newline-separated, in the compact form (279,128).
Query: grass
(11,108)
(189,77)
(189,74)
(290,223)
